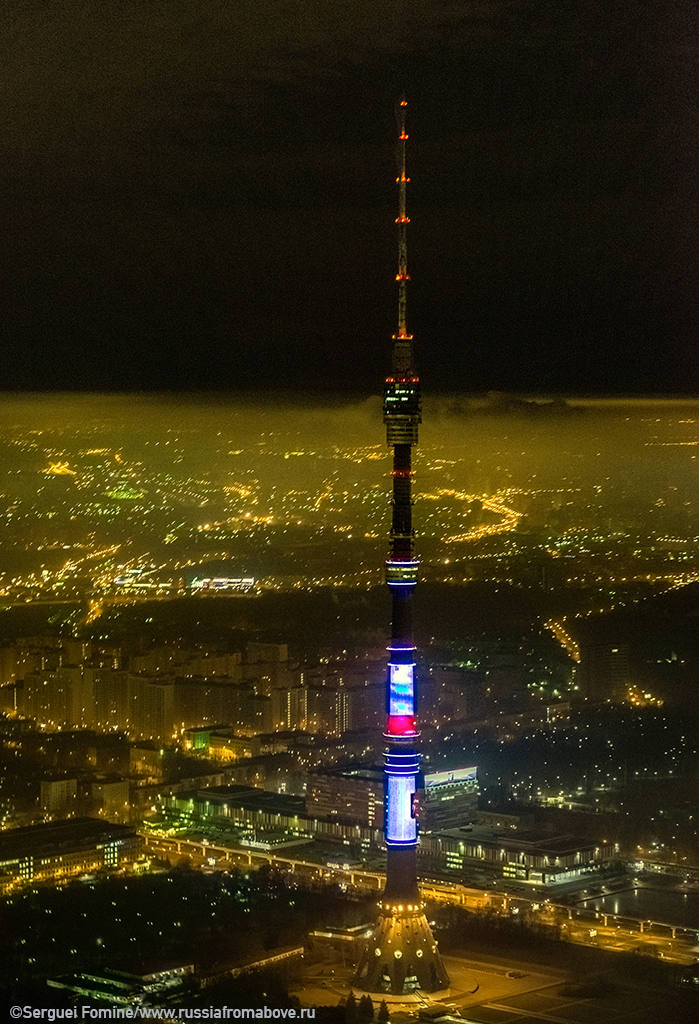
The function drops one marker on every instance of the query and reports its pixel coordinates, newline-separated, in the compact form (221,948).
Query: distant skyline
(202,196)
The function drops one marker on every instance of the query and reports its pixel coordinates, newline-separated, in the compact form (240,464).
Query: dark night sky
(201,194)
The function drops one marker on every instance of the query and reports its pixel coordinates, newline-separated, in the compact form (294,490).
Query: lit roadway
(589,928)
(495,504)
(565,639)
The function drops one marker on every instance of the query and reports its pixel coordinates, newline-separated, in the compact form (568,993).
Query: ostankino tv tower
(401,955)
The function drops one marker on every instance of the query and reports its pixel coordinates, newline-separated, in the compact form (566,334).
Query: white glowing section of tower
(401,690)
(401,824)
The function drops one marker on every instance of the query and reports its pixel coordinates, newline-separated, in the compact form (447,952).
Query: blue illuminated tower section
(402,954)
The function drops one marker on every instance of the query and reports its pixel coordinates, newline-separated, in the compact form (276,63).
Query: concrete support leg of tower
(401,956)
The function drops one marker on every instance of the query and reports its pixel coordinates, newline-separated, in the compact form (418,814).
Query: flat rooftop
(530,840)
(372,773)
(49,837)
(250,798)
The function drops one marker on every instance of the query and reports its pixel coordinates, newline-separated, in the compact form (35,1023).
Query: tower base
(401,956)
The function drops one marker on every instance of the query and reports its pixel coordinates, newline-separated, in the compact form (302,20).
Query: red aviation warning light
(402,354)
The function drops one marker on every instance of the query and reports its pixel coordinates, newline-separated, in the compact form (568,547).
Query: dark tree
(351,1010)
(383,1015)
(365,1010)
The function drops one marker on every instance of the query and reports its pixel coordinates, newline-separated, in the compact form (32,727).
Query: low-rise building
(531,856)
(138,987)
(259,811)
(59,849)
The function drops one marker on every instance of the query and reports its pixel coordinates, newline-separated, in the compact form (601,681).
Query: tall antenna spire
(402,220)
(401,954)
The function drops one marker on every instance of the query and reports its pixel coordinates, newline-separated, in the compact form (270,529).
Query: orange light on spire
(403,103)
(402,220)
(403,136)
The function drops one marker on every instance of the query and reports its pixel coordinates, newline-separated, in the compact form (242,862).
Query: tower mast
(402,954)
(402,220)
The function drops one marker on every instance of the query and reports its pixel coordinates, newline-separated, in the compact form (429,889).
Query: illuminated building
(147,706)
(320,703)
(128,988)
(527,855)
(224,745)
(290,707)
(258,652)
(60,697)
(349,794)
(263,813)
(58,796)
(604,672)
(402,954)
(110,797)
(39,853)
(201,701)
(149,760)
(448,799)
(222,584)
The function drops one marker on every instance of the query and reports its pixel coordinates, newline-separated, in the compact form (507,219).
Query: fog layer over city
(297,494)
